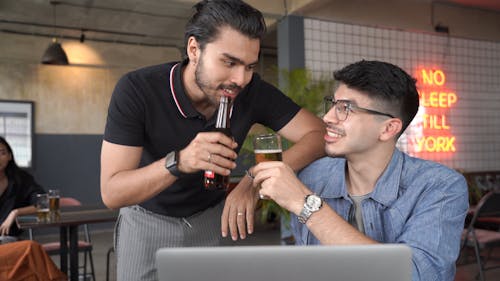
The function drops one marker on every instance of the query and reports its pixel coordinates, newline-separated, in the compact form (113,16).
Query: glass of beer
(54,196)
(267,148)
(42,207)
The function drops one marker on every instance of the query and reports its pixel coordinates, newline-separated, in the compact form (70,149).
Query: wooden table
(71,218)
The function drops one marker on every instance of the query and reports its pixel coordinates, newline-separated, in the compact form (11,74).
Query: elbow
(109,203)
(107,197)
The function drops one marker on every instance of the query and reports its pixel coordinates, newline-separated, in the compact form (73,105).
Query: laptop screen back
(384,262)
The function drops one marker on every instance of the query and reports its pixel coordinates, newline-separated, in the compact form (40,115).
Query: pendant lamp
(55,53)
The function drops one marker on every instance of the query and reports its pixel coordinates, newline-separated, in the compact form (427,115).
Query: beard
(203,82)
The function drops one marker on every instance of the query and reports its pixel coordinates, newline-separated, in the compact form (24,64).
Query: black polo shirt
(149,108)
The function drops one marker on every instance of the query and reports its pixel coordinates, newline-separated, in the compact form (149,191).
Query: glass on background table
(70,219)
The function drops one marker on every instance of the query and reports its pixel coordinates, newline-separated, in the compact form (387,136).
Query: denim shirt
(416,202)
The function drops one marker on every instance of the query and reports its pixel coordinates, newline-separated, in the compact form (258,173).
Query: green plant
(300,86)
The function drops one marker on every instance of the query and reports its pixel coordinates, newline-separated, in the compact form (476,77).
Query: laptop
(385,262)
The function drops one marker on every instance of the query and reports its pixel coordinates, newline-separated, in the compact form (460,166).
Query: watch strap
(171,162)
(304,215)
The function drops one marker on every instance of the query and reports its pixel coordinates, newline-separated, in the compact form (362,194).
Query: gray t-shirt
(356,212)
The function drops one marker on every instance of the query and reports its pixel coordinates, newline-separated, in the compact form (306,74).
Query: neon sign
(431,132)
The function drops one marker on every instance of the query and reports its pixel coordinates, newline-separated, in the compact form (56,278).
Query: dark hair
(12,170)
(386,84)
(210,15)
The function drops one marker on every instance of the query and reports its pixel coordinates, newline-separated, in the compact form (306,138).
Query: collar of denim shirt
(386,189)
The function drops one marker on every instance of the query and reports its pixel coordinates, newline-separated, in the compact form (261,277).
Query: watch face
(314,202)
(170,160)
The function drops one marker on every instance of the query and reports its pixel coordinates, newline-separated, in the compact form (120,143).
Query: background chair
(85,246)
(487,212)
(108,258)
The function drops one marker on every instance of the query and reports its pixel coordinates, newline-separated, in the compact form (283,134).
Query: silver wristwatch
(312,204)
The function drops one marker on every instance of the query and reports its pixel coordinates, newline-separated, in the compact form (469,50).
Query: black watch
(171,162)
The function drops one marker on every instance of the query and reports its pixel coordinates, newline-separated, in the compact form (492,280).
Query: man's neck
(363,171)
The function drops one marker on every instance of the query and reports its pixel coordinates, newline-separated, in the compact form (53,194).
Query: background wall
(70,103)
(469,71)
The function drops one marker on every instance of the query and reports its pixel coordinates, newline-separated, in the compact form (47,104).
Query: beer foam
(264,151)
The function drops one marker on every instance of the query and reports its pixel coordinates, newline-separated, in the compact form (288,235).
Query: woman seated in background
(18,191)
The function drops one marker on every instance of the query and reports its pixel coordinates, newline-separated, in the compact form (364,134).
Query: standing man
(368,191)
(158,139)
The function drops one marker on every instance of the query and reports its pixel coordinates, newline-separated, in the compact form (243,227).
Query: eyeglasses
(343,107)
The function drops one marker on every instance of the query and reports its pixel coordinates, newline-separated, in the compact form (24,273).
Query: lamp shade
(55,55)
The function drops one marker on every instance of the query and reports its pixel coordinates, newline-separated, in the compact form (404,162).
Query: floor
(467,268)
(103,239)
(264,235)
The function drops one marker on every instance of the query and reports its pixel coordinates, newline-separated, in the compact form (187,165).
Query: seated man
(27,260)
(368,191)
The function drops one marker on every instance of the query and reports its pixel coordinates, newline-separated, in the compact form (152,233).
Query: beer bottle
(213,181)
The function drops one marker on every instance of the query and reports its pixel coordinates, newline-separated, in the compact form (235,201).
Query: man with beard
(368,191)
(158,139)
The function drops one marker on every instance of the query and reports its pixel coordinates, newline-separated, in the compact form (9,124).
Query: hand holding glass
(267,148)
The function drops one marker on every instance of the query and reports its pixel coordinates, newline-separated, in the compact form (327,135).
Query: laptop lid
(385,262)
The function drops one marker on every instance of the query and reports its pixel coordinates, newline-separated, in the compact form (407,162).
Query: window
(16,126)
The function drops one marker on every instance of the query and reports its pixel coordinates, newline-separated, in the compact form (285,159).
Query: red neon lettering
(436,144)
(452,99)
(433,77)
(437,122)
(437,99)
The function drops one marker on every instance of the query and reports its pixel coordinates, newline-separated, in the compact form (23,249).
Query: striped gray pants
(139,233)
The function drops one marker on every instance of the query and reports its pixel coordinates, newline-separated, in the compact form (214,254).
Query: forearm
(331,229)
(307,133)
(25,211)
(309,148)
(129,187)
(5,226)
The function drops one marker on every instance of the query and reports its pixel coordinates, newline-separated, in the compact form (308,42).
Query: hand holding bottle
(208,151)
(213,180)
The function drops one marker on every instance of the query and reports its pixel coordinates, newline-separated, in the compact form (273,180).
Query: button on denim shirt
(416,202)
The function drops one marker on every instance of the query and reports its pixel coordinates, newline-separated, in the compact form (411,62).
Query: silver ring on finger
(209,160)
(240,214)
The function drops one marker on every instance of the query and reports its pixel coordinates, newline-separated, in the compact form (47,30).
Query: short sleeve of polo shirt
(271,107)
(125,121)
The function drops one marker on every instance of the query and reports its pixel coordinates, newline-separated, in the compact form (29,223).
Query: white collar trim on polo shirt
(174,95)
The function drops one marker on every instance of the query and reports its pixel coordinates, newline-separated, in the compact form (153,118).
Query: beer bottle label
(209,174)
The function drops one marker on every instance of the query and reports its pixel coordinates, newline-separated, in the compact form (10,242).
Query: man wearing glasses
(367,191)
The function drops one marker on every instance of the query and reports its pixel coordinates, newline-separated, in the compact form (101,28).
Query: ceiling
(146,22)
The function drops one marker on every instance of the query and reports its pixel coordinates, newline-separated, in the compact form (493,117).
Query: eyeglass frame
(350,106)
